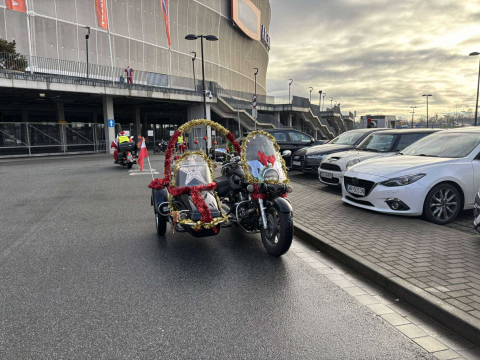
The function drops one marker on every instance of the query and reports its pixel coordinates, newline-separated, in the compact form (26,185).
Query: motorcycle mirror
(287,153)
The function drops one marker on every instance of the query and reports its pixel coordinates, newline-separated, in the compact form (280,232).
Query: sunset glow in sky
(377,56)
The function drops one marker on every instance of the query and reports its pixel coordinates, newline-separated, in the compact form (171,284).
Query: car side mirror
(287,153)
(313,140)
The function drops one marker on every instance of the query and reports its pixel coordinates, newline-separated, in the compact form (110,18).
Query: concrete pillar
(108,114)
(290,120)
(277,116)
(138,126)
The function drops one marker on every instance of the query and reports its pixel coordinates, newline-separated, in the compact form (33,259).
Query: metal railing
(65,71)
(30,139)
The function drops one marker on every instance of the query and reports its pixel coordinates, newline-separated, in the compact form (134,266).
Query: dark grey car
(308,159)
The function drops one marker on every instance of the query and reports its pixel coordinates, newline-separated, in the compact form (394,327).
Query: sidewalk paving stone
(441,260)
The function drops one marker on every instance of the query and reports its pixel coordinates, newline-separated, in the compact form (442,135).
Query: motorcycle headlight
(318,157)
(403,180)
(352,162)
(271,175)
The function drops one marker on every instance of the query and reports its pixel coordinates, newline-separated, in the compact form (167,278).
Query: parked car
(377,144)
(286,138)
(437,176)
(308,159)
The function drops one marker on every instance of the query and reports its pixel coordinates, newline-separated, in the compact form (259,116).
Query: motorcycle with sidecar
(249,194)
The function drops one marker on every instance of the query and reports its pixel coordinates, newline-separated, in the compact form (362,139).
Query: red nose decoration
(196,142)
(204,138)
(214,143)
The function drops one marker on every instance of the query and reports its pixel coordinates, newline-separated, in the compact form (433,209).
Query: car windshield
(348,138)
(455,145)
(377,143)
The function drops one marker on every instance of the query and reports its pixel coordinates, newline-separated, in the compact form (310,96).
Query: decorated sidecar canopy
(192,174)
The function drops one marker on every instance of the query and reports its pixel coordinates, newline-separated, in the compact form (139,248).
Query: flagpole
(151,171)
(110,43)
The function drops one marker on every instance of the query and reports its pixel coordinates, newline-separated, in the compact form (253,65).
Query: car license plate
(356,190)
(297,163)
(326,175)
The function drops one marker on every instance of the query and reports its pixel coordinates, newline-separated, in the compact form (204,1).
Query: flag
(17,5)
(164,4)
(143,154)
(101,9)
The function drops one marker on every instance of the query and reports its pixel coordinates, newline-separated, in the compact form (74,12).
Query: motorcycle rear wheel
(278,236)
(129,165)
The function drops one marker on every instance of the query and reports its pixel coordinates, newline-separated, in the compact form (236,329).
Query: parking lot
(464,221)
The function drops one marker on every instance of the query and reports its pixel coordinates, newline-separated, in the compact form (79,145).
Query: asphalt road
(83,275)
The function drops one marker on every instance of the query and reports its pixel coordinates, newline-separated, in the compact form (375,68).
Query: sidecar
(190,204)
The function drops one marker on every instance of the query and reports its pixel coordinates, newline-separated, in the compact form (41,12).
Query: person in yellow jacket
(181,144)
(120,139)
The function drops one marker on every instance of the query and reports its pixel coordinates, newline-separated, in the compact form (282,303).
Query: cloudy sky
(377,56)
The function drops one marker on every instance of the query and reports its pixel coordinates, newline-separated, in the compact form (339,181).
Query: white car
(437,176)
(377,144)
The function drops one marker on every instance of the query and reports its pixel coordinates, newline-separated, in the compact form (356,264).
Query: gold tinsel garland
(202,122)
(175,213)
(248,176)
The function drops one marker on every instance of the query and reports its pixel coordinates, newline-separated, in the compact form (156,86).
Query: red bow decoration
(264,159)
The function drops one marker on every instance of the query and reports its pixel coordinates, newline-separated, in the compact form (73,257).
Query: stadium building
(59,97)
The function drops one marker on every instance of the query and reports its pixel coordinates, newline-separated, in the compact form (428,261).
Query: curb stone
(440,311)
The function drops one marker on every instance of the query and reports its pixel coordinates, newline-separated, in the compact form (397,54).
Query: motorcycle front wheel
(278,236)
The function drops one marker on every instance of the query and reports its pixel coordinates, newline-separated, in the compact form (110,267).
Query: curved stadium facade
(52,102)
(138,37)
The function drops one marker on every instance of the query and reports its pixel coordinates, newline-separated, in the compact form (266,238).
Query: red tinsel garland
(158,184)
(256,194)
(195,192)
(236,145)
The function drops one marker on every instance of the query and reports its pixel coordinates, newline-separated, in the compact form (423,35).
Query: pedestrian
(371,124)
(122,79)
(129,72)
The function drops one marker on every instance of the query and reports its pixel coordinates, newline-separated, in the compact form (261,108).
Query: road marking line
(144,173)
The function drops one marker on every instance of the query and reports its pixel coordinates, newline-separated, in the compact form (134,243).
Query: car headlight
(403,180)
(271,175)
(318,157)
(352,162)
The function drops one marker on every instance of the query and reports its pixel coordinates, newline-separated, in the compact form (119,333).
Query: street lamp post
(311,89)
(413,113)
(209,38)
(427,96)
(331,103)
(320,105)
(324,94)
(87,36)
(289,84)
(478,84)
(193,63)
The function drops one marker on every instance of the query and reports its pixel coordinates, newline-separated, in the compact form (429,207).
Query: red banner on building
(17,5)
(101,9)
(164,4)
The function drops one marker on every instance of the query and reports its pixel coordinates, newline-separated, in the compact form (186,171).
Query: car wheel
(442,204)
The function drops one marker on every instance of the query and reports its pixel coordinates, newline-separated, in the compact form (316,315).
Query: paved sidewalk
(439,263)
